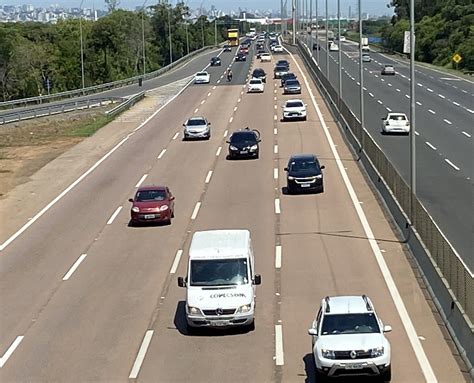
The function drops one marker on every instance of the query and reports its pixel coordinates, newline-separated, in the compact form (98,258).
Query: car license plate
(149,216)
(219,323)
(244,152)
(354,366)
(294,114)
(305,185)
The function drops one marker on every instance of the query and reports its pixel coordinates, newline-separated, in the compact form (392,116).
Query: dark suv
(244,143)
(304,174)
(259,73)
(215,61)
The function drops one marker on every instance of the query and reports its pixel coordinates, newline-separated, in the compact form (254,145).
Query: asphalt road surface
(86,297)
(444,144)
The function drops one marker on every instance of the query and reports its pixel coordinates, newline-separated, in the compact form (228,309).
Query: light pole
(187,37)
(340,49)
(82,47)
(412,112)
(169,35)
(215,31)
(143,37)
(311,25)
(317,31)
(327,42)
(361,79)
(293,11)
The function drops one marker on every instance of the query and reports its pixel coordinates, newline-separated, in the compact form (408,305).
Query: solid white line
(225,133)
(74,267)
(275,130)
(279,356)
(466,134)
(275,173)
(141,180)
(10,350)
(448,122)
(141,355)
(111,219)
(278,257)
(430,145)
(176,136)
(208,177)
(431,111)
(451,164)
(177,257)
(277,206)
(218,151)
(231,119)
(275,149)
(196,110)
(162,153)
(392,287)
(196,210)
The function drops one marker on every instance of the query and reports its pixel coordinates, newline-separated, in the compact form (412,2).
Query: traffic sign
(457,58)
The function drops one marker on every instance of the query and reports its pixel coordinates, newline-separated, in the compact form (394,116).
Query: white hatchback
(333,47)
(265,57)
(395,123)
(202,78)
(277,49)
(255,85)
(294,110)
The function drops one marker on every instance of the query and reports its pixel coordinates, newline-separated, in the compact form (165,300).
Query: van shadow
(181,325)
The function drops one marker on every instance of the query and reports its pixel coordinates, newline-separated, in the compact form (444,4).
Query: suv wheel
(387,375)
(321,377)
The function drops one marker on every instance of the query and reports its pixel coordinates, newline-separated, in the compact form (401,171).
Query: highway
(86,297)
(444,149)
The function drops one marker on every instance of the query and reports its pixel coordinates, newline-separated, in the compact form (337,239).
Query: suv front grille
(214,312)
(360,354)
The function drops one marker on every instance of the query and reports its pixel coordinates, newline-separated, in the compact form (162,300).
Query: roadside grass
(88,128)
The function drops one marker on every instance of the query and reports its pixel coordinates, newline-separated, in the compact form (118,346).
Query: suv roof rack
(367,303)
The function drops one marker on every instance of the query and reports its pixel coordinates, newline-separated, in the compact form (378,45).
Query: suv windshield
(281,68)
(218,272)
(150,195)
(299,165)
(243,138)
(195,122)
(350,324)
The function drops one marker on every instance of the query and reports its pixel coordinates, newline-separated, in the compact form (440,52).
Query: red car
(152,204)
(244,50)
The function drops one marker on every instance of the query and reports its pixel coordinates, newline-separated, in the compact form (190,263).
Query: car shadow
(309,368)
(136,225)
(181,325)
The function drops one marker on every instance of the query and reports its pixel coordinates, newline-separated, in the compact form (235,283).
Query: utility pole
(317,31)
(361,79)
(293,14)
(412,112)
(82,47)
(169,35)
(311,25)
(340,49)
(327,41)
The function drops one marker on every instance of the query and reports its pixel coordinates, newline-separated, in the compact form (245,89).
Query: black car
(259,73)
(241,57)
(215,61)
(304,174)
(288,76)
(292,86)
(227,48)
(283,63)
(244,143)
(279,71)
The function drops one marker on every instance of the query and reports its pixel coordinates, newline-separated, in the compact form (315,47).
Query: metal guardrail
(449,279)
(99,88)
(125,105)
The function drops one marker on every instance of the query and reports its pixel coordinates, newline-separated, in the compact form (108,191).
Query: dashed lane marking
(141,180)
(231,119)
(277,206)
(162,153)
(196,110)
(218,151)
(279,356)
(208,177)
(116,213)
(447,122)
(430,145)
(10,350)
(74,267)
(275,173)
(175,264)
(225,133)
(275,149)
(278,257)
(196,210)
(451,164)
(176,136)
(141,355)
(466,134)
(431,111)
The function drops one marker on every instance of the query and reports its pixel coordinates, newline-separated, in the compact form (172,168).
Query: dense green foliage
(442,28)
(113,48)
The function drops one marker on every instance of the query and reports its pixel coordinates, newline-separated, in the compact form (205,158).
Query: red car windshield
(150,195)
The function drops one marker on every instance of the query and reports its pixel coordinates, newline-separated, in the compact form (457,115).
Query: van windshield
(219,272)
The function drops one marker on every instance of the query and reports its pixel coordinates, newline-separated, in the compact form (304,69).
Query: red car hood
(144,205)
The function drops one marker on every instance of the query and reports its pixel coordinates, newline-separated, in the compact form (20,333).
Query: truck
(220,281)
(365,44)
(233,37)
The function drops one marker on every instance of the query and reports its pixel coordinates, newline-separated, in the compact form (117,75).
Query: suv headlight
(244,309)
(193,310)
(376,352)
(328,354)
(136,209)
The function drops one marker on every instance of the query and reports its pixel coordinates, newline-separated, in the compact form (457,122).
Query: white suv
(348,339)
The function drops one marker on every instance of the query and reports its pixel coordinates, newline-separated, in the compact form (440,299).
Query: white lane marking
(430,145)
(239,100)
(231,119)
(74,267)
(382,79)
(162,153)
(418,103)
(141,180)
(203,101)
(451,164)
(214,87)
(429,90)
(416,132)
(464,91)
(276,107)
(431,111)
(225,133)
(440,95)
(10,350)
(275,173)
(275,131)
(470,110)
(380,102)
(88,171)
(278,257)
(208,177)
(218,81)
(456,103)
(196,110)
(218,151)
(176,136)
(407,96)
(466,134)
(388,109)
(275,117)
(419,84)
(275,91)
(279,356)
(116,212)
(141,355)
(447,122)
(392,287)
(277,206)
(275,149)
(398,90)
(196,210)
(371,94)
(389,84)
(175,264)
(235,108)
(274,98)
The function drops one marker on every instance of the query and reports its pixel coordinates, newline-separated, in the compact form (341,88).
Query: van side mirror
(313,332)
(181,282)
(322,167)
(257,279)
(387,328)
(130,200)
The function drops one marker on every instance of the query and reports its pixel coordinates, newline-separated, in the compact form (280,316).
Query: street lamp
(317,31)
(412,112)
(361,79)
(82,47)
(293,9)
(169,35)
(340,49)
(143,37)
(327,42)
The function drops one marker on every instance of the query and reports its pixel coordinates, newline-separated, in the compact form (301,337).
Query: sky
(373,7)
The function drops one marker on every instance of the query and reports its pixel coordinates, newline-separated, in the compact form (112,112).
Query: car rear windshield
(258,72)
(294,104)
(218,272)
(201,74)
(281,68)
(150,195)
(291,82)
(196,121)
(398,117)
(243,137)
(304,165)
(350,324)
(255,81)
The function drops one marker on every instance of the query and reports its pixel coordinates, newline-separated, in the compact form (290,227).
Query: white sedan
(277,49)
(395,123)
(265,57)
(333,47)
(255,85)
(202,78)
(294,110)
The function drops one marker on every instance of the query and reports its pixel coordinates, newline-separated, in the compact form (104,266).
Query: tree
(112,5)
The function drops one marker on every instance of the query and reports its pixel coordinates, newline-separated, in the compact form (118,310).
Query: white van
(221,280)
